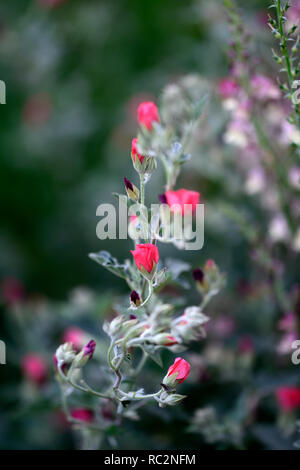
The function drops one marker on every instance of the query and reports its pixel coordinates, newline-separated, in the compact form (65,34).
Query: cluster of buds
(209,280)
(67,355)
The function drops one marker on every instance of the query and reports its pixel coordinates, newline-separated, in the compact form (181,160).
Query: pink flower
(83,414)
(75,336)
(145,255)
(264,88)
(135,152)
(288,323)
(288,398)
(182,197)
(34,368)
(228,88)
(180,370)
(147,114)
(12,290)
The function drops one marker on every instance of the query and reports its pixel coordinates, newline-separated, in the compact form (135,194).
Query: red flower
(147,114)
(34,368)
(145,255)
(288,398)
(182,197)
(135,152)
(83,414)
(181,368)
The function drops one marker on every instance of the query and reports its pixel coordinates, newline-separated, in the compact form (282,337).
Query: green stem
(79,387)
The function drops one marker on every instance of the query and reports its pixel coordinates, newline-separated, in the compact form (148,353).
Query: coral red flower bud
(288,398)
(145,255)
(198,275)
(177,373)
(34,368)
(135,152)
(83,414)
(135,298)
(147,114)
(89,349)
(181,198)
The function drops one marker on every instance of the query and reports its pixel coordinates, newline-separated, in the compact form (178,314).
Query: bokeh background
(75,73)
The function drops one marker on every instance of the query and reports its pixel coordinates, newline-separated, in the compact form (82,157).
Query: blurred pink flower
(288,398)
(83,414)
(264,88)
(228,88)
(12,290)
(75,336)
(34,368)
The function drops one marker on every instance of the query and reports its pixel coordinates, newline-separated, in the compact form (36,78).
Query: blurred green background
(75,72)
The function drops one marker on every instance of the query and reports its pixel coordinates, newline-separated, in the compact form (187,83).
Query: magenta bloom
(288,398)
(89,349)
(228,88)
(34,368)
(147,114)
(83,414)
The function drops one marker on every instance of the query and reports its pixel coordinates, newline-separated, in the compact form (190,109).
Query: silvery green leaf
(107,261)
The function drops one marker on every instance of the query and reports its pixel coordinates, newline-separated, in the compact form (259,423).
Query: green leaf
(107,261)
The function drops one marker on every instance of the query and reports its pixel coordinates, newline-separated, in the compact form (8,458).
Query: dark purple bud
(198,275)
(132,317)
(135,298)
(162,198)
(89,349)
(128,184)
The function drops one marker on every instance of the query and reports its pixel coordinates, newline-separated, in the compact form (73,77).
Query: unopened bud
(135,299)
(65,354)
(85,354)
(164,339)
(131,190)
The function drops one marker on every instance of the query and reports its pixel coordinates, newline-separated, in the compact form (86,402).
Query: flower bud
(164,339)
(134,151)
(171,399)
(177,373)
(146,257)
(131,190)
(147,114)
(65,354)
(135,299)
(85,354)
